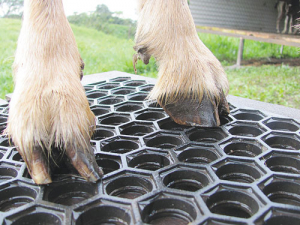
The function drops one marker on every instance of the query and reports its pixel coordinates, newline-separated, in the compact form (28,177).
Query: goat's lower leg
(192,83)
(49,107)
(281,11)
(286,22)
(291,24)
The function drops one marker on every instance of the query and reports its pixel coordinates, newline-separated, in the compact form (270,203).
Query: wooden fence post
(240,52)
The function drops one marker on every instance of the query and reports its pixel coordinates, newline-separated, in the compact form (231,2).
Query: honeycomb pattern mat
(158,172)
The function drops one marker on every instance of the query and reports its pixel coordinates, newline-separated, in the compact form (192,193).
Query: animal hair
(166,30)
(140,4)
(48,105)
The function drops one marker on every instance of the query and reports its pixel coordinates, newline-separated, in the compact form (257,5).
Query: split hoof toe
(38,167)
(85,163)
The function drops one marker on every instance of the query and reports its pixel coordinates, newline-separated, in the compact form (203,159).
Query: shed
(246,19)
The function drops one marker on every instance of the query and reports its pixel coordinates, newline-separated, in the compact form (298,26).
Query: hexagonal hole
(119,145)
(110,100)
(5,142)
(15,156)
(168,209)
(197,154)
(186,179)
(282,141)
(149,160)
(107,86)
(129,107)
(3,119)
(278,216)
(153,104)
(150,115)
(101,133)
(123,91)
(7,173)
(36,216)
(225,119)
(134,83)
(284,190)
(282,162)
(147,87)
(234,202)
(88,88)
(69,192)
(97,83)
(245,129)
(119,79)
(95,94)
(108,163)
(282,124)
(242,147)
(2,128)
(163,140)
(100,110)
(207,135)
(137,129)
(240,171)
(169,124)
(114,119)
(251,115)
(13,196)
(129,186)
(139,97)
(104,214)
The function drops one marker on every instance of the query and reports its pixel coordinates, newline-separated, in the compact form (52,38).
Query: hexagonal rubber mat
(158,172)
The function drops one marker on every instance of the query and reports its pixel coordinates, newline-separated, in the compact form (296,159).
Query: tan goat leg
(49,108)
(191,84)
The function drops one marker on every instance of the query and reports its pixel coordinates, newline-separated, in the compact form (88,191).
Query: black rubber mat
(158,172)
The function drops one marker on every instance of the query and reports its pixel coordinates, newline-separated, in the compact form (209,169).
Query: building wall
(251,15)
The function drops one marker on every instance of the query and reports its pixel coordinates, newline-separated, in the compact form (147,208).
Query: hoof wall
(191,112)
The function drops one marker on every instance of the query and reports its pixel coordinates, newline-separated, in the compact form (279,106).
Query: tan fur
(186,66)
(49,103)
(140,5)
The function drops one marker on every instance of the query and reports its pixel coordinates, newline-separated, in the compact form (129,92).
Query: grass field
(102,52)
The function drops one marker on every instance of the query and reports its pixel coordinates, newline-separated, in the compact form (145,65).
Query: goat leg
(191,84)
(49,109)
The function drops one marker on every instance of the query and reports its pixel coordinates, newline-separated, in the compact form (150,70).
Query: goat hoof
(85,163)
(82,160)
(191,112)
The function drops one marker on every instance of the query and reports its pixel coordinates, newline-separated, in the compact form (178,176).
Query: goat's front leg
(280,10)
(192,84)
(49,109)
(286,22)
(291,24)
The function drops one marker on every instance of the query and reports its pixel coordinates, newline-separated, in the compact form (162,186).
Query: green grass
(102,52)
(9,31)
(274,84)
(226,48)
